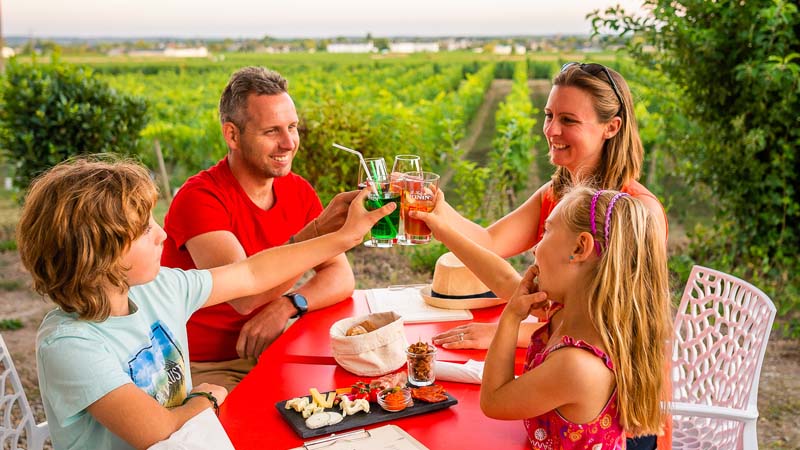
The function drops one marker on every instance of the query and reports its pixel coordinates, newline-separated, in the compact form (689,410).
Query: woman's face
(574,135)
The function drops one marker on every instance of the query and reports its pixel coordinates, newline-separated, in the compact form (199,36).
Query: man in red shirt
(250,201)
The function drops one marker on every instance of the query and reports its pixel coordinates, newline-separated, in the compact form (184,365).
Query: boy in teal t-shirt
(113,362)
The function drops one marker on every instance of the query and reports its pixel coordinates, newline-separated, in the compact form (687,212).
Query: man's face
(270,140)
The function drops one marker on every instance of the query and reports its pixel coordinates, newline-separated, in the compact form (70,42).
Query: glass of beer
(402,164)
(419,194)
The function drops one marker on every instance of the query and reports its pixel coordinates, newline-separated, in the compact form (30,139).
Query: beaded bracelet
(207,395)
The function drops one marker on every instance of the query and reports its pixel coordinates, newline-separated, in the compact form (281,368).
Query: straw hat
(455,287)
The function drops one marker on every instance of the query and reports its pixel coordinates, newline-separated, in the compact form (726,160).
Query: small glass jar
(422,366)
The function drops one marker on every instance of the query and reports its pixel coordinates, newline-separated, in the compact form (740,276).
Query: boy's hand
(359,220)
(217,391)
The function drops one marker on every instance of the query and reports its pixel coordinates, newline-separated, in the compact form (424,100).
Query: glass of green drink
(384,232)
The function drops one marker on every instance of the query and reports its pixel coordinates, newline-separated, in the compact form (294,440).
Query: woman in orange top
(593,139)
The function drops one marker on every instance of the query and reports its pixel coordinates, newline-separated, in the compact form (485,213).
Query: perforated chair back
(18,428)
(721,329)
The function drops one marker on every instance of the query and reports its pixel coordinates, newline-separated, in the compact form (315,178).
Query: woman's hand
(436,218)
(471,335)
(528,299)
(359,220)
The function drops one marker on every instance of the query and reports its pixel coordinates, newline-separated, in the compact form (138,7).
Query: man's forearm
(310,231)
(330,284)
(246,305)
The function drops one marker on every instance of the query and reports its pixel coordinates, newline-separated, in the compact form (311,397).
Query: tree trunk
(162,169)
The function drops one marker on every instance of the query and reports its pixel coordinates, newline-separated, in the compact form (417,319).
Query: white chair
(16,417)
(721,333)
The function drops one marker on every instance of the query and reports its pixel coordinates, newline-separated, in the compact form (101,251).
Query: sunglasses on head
(594,70)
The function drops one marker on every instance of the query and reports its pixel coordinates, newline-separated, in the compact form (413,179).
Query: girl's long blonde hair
(629,300)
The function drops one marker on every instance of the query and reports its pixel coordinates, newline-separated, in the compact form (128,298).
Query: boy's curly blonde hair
(78,220)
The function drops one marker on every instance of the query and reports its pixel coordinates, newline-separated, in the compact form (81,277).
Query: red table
(308,340)
(253,423)
(301,358)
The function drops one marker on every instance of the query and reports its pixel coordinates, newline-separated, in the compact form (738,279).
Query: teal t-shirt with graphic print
(80,361)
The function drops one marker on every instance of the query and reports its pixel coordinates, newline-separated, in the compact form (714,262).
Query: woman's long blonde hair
(629,300)
(623,154)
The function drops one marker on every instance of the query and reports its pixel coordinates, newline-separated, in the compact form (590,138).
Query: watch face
(300,303)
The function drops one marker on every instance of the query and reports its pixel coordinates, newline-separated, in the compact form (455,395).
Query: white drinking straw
(363,164)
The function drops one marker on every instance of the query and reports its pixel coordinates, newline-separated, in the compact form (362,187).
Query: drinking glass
(384,232)
(421,366)
(402,164)
(419,194)
(377,172)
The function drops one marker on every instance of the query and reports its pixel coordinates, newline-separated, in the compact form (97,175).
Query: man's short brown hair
(246,81)
(78,220)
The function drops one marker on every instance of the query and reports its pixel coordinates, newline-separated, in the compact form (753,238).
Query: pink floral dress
(551,431)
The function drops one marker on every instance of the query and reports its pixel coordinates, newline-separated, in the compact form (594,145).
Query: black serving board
(376,415)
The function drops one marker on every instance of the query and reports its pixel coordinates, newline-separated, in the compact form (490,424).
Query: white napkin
(201,432)
(469,372)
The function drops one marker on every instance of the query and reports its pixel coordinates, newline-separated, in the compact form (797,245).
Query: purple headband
(593,216)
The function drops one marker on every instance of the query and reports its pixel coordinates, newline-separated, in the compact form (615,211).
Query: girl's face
(552,256)
(574,135)
(143,258)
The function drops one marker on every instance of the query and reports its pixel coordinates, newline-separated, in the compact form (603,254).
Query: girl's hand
(359,220)
(528,299)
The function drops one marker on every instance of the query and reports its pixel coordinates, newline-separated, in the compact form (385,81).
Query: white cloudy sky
(296,18)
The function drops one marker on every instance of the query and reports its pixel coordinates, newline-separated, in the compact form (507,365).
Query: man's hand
(335,214)
(262,330)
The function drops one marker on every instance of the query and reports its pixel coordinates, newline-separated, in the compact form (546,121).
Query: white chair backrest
(18,427)
(721,329)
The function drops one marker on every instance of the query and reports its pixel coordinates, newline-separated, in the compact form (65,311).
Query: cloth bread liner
(372,354)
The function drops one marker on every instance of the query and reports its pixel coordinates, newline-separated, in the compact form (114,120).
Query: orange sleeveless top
(549,202)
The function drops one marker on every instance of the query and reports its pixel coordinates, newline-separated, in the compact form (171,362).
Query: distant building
(456,44)
(508,49)
(8,52)
(352,48)
(169,52)
(196,52)
(413,47)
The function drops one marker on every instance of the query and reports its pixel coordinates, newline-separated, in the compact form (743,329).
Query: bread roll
(369,326)
(356,330)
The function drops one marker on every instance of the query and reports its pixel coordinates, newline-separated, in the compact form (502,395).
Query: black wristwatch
(299,302)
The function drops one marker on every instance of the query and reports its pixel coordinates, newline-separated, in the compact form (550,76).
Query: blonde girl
(599,372)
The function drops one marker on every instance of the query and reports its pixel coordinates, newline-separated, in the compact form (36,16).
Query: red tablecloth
(308,340)
(253,423)
(301,358)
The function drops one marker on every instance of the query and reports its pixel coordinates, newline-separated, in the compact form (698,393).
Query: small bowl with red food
(395,399)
